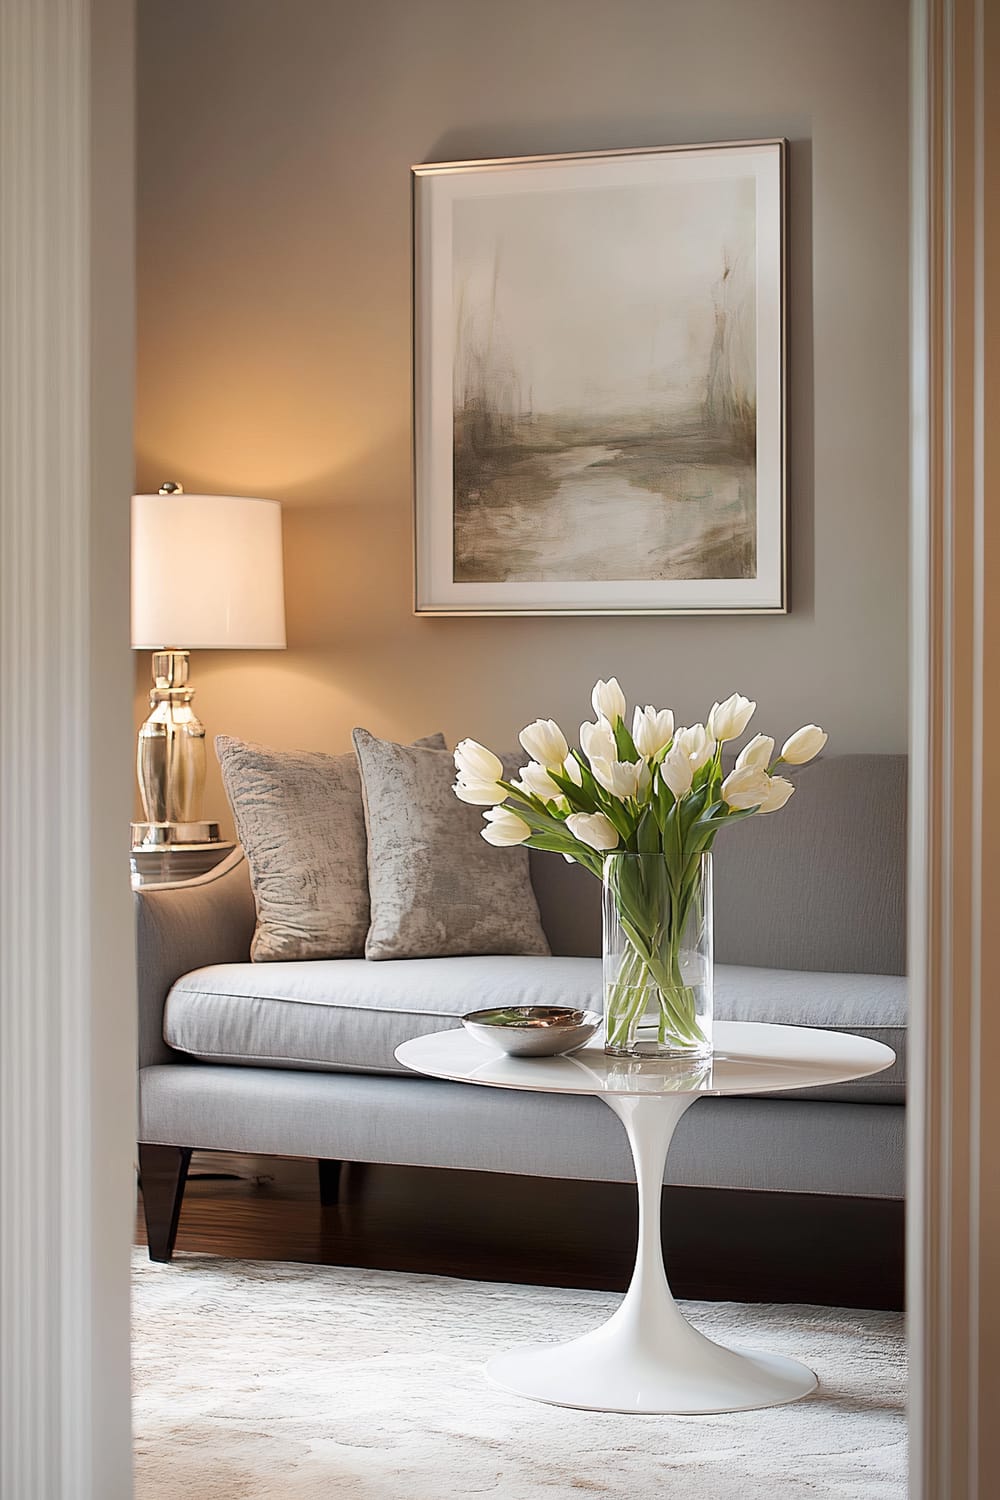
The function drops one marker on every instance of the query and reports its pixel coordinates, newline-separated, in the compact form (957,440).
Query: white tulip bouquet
(653,790)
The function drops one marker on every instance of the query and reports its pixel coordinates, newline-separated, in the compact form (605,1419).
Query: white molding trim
(954,1098)
(66,968)
(66,1002)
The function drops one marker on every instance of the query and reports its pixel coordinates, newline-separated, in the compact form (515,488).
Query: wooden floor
(748,1247)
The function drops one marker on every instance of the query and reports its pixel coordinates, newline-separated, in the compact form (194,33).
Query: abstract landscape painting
(601,392)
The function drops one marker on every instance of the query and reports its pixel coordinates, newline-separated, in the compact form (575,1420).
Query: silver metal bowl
(533,1030)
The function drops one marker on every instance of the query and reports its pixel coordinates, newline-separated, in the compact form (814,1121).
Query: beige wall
(274,335)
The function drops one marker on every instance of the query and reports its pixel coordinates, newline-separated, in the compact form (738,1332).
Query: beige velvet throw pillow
(437,888)
(300,821)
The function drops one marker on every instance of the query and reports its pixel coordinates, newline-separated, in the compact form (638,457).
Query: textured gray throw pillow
(437,888)
(299,817)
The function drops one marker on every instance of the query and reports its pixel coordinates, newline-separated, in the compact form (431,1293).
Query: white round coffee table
(647,1358)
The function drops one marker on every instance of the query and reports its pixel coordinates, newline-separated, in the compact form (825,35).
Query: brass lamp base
(172,835)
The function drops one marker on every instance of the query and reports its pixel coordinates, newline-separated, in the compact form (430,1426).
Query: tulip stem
(649,975)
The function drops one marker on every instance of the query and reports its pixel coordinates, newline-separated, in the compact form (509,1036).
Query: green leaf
(581,799)
(544,823)
(672,847)
(691,808)
(579,853)
(709,819)
(648,838)
(588,783)
(616,813)
(704,774)
(625,743)
(735,815)
(524,799)
(664,802)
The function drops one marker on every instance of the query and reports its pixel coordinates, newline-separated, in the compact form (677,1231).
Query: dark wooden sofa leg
(162,1174)
(329,1182)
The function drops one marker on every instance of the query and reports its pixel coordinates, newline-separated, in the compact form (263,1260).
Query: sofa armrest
(184,926)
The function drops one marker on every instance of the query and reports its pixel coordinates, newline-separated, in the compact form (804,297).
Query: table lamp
(206,572)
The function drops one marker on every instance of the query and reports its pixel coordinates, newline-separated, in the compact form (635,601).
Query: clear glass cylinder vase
(658,956)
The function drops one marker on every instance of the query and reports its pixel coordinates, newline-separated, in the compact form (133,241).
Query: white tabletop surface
(749,1058)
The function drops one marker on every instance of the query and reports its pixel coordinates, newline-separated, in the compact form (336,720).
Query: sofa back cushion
(437,888)
(299,817)
(822,884)
(819,886)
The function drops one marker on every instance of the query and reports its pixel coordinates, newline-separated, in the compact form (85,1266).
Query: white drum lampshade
(206,573)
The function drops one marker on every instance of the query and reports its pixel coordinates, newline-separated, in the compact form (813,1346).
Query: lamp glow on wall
(206,573)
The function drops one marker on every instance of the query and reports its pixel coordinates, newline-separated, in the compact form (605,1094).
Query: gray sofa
(296,1059)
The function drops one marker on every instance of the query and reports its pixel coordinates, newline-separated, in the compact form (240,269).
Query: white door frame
(66,1002)
(67,1006)
(953,1097)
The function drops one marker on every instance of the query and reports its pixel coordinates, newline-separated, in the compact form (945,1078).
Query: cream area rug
(256,1380)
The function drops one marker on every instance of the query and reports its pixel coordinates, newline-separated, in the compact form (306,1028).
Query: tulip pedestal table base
(647,1358)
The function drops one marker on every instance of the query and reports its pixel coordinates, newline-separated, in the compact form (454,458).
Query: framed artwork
(599,383)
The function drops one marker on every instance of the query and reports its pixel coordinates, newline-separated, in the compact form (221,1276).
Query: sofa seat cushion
(871,1005)
(349,1015)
